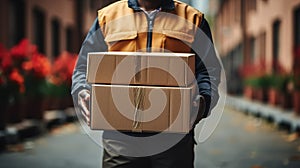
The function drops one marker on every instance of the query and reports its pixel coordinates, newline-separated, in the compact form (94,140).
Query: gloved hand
(83,103)
(198,108)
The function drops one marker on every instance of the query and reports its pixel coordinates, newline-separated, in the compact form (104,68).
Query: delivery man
(150,26)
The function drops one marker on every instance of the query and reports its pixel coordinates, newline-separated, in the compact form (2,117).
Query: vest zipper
(150,22)
(149,35)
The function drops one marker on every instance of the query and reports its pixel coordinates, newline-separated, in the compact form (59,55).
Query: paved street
(242,141)
(239,141)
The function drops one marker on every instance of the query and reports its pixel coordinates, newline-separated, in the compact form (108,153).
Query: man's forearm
(208,68)
(94,42)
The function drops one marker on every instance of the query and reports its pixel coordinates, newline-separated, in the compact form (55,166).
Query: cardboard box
(137,68)
(128,108)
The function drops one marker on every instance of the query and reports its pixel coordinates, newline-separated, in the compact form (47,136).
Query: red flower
(5,60)
(63,68)
(23,59)
(296,61)
(297,52)
(39,65)
(259,69)
(23,50)
(251,70)
(2,51)
(1,79)
(16,77)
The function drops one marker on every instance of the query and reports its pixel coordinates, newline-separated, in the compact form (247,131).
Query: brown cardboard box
(138,68)
(113,107)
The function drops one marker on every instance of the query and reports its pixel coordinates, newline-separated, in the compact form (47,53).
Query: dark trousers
(179,156)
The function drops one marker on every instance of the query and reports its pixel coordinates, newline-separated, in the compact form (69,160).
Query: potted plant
(34,67)
(275,89)
(12,87)
(286,98)
(61,79)
(279,91)
(259,85)
(36,71)
(263,85)
(249,85)
(254,80)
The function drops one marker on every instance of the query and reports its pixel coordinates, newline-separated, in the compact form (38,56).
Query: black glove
(198,108)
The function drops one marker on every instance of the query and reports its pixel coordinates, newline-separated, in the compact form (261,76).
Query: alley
(239,141)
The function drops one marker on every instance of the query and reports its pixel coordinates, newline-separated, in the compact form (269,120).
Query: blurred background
(258,42)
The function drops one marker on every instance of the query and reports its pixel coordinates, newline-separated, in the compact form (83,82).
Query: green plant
(280,82)
(53,90)
(258,82)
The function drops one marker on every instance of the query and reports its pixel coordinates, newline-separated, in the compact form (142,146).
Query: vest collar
(166,5)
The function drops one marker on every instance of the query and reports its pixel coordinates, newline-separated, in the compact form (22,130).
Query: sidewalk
(31,128)
(275,114)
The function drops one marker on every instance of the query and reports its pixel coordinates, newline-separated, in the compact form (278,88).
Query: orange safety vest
(125,29)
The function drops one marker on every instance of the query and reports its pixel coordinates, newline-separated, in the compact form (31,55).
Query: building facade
(257,32)
(53,25)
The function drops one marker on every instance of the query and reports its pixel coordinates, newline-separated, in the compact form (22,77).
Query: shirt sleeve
(94,42)
(208,68)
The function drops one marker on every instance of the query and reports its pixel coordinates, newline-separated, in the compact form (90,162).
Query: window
(262,46)
(55,31)
(297,27)
(276,46)
(39,29)
(16,21)
(69,39)
(252,49)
